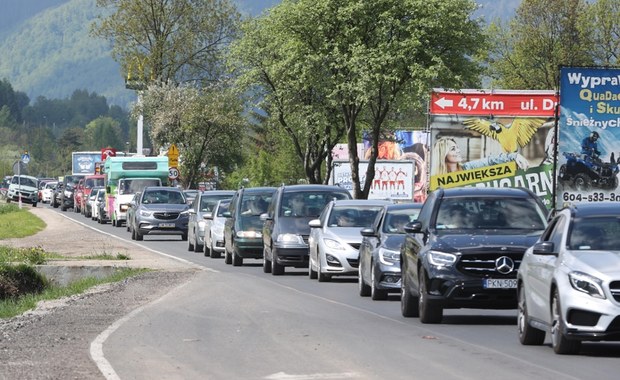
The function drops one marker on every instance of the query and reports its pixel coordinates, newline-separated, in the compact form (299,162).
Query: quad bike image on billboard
(584,173)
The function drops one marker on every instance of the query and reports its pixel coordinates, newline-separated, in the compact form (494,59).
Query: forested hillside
(47,50)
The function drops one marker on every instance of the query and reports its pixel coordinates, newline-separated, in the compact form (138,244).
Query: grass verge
(12,307)
(17,222)
(21,286)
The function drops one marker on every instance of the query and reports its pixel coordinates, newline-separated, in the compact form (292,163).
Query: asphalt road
(229,322)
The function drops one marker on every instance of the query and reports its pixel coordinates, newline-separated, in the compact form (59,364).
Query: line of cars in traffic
(486,248)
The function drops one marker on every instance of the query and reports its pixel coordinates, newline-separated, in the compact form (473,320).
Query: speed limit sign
(173,173)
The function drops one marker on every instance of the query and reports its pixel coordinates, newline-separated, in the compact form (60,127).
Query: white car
(97,203)
(48,191)
(214,230)
(23,188)
(569,281)
(335,237)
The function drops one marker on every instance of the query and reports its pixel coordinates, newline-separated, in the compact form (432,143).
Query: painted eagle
(510,136)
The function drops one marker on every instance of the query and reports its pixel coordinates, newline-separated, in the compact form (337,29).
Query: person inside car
(397,223)
(296,205)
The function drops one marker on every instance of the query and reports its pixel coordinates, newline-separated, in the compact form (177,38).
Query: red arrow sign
(509,103)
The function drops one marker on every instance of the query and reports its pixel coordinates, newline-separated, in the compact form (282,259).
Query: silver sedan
(335,237)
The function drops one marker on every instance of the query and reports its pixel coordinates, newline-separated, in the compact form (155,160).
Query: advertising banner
(589,135)
(393,179)
(410,146)
(493,138)
(84,162)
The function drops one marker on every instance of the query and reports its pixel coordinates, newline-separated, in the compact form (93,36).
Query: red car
(90,181)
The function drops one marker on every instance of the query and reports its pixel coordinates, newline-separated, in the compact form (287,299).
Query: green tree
(205,125)
(544,34)
(361,58)
(12,100)
(604,19)
(288,85)
(167,40)
(103,132)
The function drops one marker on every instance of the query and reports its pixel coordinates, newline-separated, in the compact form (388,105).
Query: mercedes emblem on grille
(504,265)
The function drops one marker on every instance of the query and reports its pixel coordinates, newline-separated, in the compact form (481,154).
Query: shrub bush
(21,279)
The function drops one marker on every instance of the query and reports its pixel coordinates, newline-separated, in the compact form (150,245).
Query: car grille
(166,215)
(354,263)
(483,264)
(614,288)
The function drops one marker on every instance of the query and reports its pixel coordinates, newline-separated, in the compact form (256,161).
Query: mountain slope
(52,54)
(47,50)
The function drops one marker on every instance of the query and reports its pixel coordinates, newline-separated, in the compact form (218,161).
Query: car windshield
(489,213)
(132,186)
(222,209)
(596,233)
(100,195)
(253,205)
(208,202)
(163,196)
(396,220)
(309,205)
(92,182)
(24,181)
(353,216)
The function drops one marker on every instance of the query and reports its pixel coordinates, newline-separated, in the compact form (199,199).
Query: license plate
(491,283)
(166,225)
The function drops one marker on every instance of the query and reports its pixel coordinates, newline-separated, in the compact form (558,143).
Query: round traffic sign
(25,158)
(173,173)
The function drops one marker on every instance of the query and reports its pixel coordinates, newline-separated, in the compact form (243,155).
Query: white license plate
(491,283)
(166,225)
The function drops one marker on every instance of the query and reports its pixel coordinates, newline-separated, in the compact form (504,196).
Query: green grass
(106,256)
(17,265)
(18,223)
(12,307)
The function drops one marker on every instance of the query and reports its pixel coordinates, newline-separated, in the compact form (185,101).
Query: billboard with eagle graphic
(495,138)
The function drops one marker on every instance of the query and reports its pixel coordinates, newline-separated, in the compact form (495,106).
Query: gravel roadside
(53,341)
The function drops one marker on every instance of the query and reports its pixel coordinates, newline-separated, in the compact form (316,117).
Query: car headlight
(290,238)
(441,259)
(389,257)
(146,214)
(585,283)
(249,234)
(333,244)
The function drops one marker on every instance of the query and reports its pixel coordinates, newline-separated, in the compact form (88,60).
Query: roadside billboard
(498,138)
(84,163)
(400,145)
(393,179)
(589,135)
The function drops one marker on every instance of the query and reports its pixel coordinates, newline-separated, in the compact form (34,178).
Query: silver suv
(569,281)
(159,211)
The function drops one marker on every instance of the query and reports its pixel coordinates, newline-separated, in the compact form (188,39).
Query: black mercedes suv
(465,249)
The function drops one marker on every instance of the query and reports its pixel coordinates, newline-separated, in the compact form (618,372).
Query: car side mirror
(368,232)
(265,217)
(413,227)
(545,248)
(315,223)
(226,214)
(208,215)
